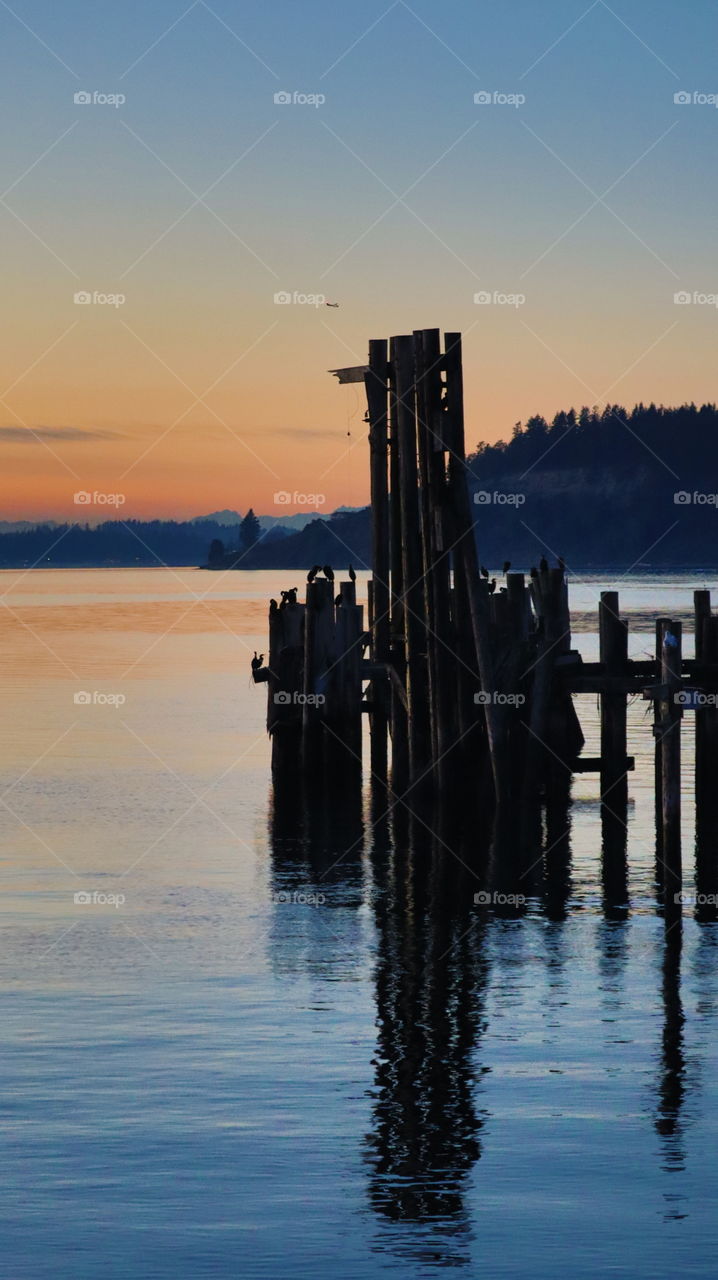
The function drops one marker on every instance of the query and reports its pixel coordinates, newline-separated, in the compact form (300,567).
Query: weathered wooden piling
(377,392)
(670,746)
(613,649)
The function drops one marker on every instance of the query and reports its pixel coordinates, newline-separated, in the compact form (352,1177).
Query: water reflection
(431,978)
(438,953)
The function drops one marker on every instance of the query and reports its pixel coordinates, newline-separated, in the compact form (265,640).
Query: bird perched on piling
(292,595)
(543,564)
(484,571)
(492,586)
(273,607)
(506,566)
(352,575)
(338,599)
(257,661)
(315,569)
(284,595)
(329,572)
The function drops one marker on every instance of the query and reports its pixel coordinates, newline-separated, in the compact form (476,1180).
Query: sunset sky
(399,197)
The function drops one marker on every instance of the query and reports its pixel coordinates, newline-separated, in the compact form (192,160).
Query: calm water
(299,1051)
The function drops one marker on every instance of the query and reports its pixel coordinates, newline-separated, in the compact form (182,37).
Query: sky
(577,195)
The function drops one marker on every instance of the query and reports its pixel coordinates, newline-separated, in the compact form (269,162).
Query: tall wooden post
(671,715)
(377,401)
(613,642)
(465,548)
(399,718)
(413,574)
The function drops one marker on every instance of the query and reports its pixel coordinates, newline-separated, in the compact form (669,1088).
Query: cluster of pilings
(314,678)
(472,680)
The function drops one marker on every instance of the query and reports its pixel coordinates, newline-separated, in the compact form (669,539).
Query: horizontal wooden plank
(592,764)
(353,374)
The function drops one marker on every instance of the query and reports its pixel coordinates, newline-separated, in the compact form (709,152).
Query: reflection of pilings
(319,843)
(430,980)
(672,1087)
(706,881)
(614,865)
(557,860)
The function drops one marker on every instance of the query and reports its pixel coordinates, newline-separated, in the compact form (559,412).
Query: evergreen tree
(249,531)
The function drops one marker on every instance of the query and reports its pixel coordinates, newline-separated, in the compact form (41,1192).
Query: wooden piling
(670,740)
(464,539)
(613,648)
(412,567)
(377,391)
(398,699)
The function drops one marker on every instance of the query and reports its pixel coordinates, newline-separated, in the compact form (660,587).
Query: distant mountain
(19,526)
(225,517)
(229,519)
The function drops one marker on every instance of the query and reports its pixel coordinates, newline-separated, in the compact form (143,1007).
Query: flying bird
(331,304)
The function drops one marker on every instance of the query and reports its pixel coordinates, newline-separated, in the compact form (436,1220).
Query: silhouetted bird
(543,564)
(292,595)
(257,661)
(329,572)
(273,607)
(313,572)
(484,571)
(507,566)
(492,586)
(338,599)
(352,575)
(284,595)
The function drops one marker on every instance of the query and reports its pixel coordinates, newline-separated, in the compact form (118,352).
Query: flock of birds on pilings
(289,597)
